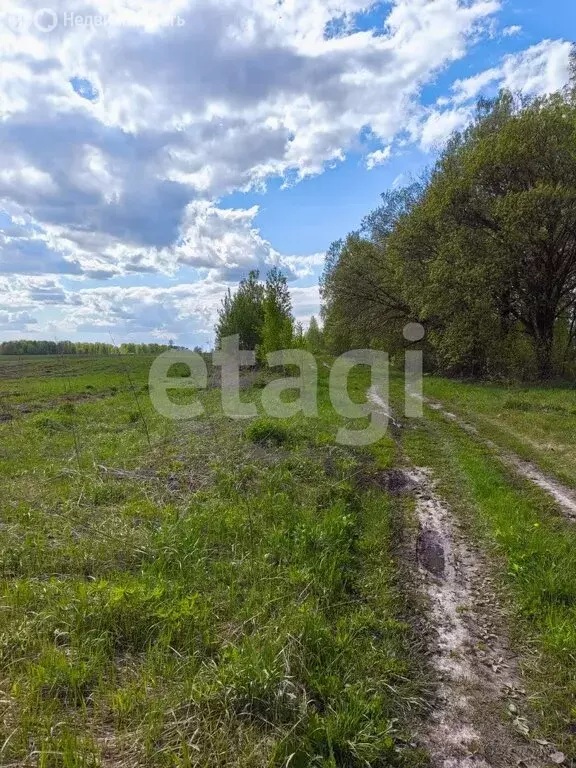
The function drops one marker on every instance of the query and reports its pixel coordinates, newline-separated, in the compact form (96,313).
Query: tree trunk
(544,342)
(544,354)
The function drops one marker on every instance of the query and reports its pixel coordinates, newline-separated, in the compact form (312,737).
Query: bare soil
(475,719)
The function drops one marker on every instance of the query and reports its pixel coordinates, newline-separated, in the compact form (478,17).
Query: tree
(482,251)
(242,313)
(362,299)
(313,338)
(278,326)
(491,247)
(260,314)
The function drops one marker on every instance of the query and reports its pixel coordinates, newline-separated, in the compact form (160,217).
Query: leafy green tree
(482,251)
(314,341)
(242,313)
(491,247)
(362,298)
(278,326)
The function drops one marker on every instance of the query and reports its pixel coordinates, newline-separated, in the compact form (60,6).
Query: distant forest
(27,347)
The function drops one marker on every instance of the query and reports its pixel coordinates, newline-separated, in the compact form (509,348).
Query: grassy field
(207,593)
(237,593)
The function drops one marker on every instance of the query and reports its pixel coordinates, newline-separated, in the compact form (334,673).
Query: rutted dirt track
(476,719)
(565,497)
(478,673)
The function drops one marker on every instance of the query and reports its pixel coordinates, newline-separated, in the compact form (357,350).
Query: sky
(154,153)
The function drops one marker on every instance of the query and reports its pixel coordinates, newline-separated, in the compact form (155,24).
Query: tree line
(260,313)
(29,347)
(481,251)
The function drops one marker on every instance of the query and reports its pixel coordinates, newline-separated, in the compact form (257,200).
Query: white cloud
(16,321)
(379,157)
(180,311)
(117,143)
(539,70)
(542,69)
(465,90)
(438,126)
(514,29)
(226,242)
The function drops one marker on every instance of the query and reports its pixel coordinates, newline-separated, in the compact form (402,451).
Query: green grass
(267,432)
(231,593)
(537,422)
(194,594)
(532,551)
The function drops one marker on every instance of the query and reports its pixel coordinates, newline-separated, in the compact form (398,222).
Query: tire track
(565,497)
(477,673)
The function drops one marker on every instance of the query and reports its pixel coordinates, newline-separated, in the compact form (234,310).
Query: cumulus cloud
(537,71)
(178,310)
(118,140)
(439,125)
(19,293)
(379,157)
(181,311)
(16,321)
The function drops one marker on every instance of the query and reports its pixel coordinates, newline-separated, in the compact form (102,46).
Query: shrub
(179,371)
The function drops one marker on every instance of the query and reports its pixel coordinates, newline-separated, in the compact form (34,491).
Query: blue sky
(153,155)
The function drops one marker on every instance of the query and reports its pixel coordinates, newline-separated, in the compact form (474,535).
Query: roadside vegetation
(536,422)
